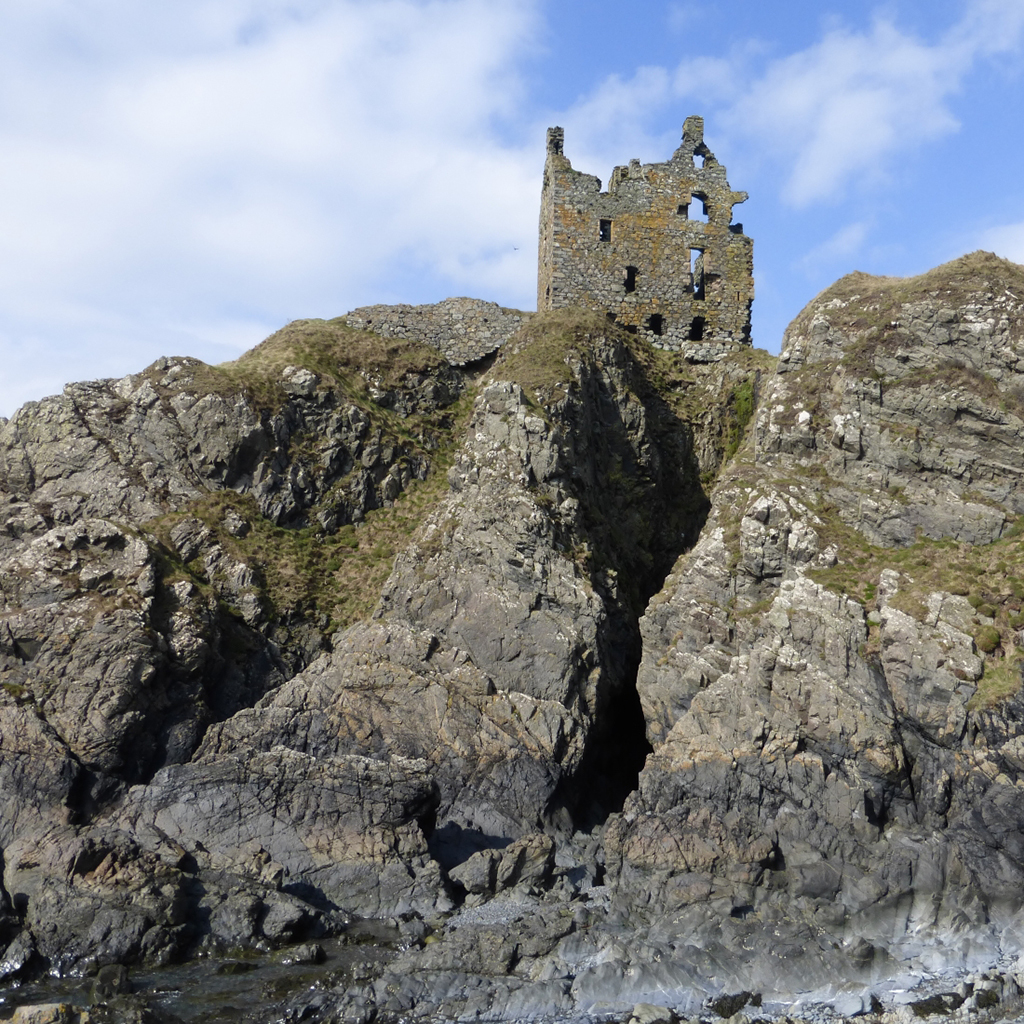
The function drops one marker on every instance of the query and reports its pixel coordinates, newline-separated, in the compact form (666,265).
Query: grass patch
(334,577)
(741,404)
(875,304)
(1001,680)
(984,574)
(345,359)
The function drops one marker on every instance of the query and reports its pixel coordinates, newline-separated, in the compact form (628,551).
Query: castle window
(655,324)
(697,272)
(697,329)
(630,282)
(698,207)
(606,231)
(683,210)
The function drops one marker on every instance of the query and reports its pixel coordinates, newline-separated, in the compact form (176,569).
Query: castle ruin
(657,252)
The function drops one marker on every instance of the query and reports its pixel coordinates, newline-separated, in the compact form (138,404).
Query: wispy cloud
(831,117)
(841,245)
(842,109)
(159,157)
(1006,241)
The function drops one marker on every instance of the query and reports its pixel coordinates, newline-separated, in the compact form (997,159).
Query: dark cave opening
(616,752)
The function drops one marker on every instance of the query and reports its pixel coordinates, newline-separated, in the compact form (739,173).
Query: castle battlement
(657,252)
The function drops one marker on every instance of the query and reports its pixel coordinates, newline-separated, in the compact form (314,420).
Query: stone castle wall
(463,330)
(657,252)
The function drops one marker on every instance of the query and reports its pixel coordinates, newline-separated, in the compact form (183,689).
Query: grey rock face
(343,826)
(823,757)
(129,622)
(814,786)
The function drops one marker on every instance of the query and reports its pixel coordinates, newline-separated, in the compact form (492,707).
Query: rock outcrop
(200,752)
(830,678)
(611,683)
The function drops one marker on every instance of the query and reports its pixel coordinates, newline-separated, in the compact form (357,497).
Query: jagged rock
(815,784)
(527,861)
(345,826)
(814,761)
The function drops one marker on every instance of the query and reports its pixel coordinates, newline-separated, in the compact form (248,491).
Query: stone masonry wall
(657,252)
(463,330)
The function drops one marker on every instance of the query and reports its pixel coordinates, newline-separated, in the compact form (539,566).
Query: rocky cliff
(604,678)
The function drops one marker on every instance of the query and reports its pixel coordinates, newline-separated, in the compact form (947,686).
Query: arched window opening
(697,329)
(655,324)
(630,282)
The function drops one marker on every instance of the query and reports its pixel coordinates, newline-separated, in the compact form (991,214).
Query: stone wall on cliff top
(657,252)
(463,330)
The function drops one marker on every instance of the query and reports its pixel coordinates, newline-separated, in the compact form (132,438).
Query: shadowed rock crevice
(210,742)
(576,490)
(610,767)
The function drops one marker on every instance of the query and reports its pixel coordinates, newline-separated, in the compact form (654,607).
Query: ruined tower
(657,252)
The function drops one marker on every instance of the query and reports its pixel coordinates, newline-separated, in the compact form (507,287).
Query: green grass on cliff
(334,577)
(868,308)
(719,398)
(345,359)
(697,415)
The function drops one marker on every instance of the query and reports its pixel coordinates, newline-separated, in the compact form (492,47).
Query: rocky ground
(609,685)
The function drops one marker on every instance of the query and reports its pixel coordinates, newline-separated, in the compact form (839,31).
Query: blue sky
(185,177)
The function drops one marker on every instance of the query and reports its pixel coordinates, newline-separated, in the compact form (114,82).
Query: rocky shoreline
(604,681)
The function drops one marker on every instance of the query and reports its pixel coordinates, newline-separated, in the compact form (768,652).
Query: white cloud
(1006,241)
(277,158)
(840,110)
(832,116)
(841,245)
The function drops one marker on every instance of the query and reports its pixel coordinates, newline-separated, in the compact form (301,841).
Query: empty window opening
(611,317)
(683,210)
(547,292)
(631,328)
(698,159)
(655,324)
(630,282)
(697,329)
(736,229)
(698,208)
(697,272)
(606,231)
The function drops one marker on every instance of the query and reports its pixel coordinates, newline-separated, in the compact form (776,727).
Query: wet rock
(111,980)
(307,953)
